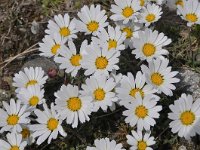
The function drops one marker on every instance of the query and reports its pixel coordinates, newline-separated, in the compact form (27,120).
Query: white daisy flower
(73,106)
(49,125)
(99,61)
(142,112)
(29,77)
(111,40)
(62,26)
(100,89)
(150,14)
(117,78)
(150,45)
(131,30)
(105,144)
(130,86)
(51,45)
(160,76)
(32,95)
(143,3)
(172,5)
(27,134)
(186,116)
(13,116)
(139,141)
(70,59)
(14,142)
(93,20)
(125,10)
(190,12)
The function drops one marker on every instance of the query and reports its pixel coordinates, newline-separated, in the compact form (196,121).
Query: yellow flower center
(52,124)
(141,111)
(148,49)
(134,91)
(101,62)
(142,2)
(31,82)
(55,48)
(127,12)
(142,145)
(112,44)
(128,31)
(12,119)
(25,133)
(157,79)
(65,31)
(33,101)
(99,94)
(187,118)
(150,17)
(14,147)
(74,104)
(179,2)
(75,60)
(191,17)
(93,26)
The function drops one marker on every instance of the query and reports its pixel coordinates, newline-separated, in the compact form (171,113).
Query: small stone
(182,147)
(35,27)
(4,96)
(52,72)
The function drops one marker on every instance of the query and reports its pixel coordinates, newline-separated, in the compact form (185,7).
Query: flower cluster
(32,118)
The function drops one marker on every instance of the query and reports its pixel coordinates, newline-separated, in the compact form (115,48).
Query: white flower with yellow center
(111,40)
(149,45)
(142,112)
(32,95)
(93,20)
(160,76)
(130,86)
(186,116)
(14,142)
(105,144)
(138,141)
(125,10)
(51,45)
(13,116)
(99,61)
(131,30)
(27,134)
(190,12)
(150,14)
(73,106)
(62,26)
(100,88)
(49,125)
(143,3)
(29,77)
(172,5)
(69,59)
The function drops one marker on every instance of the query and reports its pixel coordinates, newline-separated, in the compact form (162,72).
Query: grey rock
(190,82)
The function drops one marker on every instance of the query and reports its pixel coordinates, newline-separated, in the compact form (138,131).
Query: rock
(182,147)
(190,82)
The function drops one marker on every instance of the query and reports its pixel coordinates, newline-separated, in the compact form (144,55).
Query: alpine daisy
(29,77)
(111,40)
(160,76)
(62,26)
(105,144)
(99,61)
(130,86)
(27,134)
(51,45)
(100,89)
(150,14)
(13,116)
(14,142)
(73,106)
(93,20)
(150,45)
(49,125)
(190,12)
(138,141)
(69,59)
(125,10)
(142,112)
(185,116)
